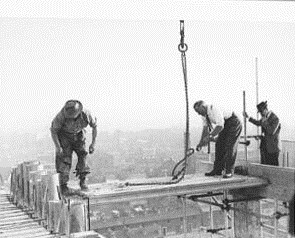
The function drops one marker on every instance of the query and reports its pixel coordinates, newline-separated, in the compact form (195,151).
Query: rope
(177,176)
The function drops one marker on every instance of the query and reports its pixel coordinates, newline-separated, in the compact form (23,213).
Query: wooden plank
(191,185)
(19,225)
(85,234)
(11,213)
(20,228)
(13,216)
(14,222)
(36,231)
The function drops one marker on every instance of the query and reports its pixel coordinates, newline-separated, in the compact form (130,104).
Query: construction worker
(270,145)
(68,134)
(224,128)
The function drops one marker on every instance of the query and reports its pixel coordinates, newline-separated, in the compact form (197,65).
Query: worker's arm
(215,132)
(204,137)
(252,120)
(92,145)
(93,125)
(217,118)
(255,122)
(55,138)
(55,127)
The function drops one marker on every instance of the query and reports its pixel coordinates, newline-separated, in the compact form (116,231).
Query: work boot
(83,185)
(227,175)
(66,191)
(213,173)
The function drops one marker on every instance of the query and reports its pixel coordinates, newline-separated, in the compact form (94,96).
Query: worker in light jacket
(270,145)
(224,128)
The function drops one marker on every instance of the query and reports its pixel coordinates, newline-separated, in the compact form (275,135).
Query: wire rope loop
(190,152)
(182,47)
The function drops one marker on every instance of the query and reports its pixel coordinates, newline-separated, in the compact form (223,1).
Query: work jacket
(61,124)
(271,128)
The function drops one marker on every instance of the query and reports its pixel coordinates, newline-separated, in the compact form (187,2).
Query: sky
(121,60)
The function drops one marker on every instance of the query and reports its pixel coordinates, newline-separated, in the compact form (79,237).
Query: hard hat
(72,108)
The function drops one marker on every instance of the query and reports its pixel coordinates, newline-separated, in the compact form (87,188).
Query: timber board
(190,185)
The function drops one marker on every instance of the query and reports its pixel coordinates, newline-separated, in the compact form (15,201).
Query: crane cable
(182,47)
(178,174)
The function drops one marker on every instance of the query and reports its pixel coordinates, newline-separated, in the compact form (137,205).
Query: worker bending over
(68,134)
(224,128)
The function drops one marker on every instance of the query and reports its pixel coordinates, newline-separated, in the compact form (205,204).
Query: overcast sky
(120,58)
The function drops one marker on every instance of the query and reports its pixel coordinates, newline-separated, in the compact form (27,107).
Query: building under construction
(255,202)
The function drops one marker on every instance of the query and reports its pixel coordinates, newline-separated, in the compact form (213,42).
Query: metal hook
(181,27)
(182,33)
(182,47)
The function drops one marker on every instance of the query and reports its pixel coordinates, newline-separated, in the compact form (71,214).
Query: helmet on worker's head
(261,106)
(72,109)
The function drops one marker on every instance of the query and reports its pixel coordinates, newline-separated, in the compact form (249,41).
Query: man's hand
(206,139)
(245,114)
(198,148)
(91,148)
(213,139)
(58,151)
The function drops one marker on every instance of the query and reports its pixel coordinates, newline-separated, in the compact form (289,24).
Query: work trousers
(227,144)
(71,143)
(266,157)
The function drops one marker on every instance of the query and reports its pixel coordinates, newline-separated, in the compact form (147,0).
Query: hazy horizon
(127,70)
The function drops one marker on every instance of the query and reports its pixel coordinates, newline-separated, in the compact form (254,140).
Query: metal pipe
(210,203)
(257,91)
(245,125)
(210,194)
(88,213)
(185,216)
(225,213)
(211,217)
(275,220)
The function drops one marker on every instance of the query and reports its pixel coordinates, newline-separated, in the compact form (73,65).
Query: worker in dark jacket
(68,134)
(270,145)
(223,127)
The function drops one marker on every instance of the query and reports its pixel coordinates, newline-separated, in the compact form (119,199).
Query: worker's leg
(273,158)
(263,151)
(220,152)
(233,127)
(63,163)
(82,169)
(219,155)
